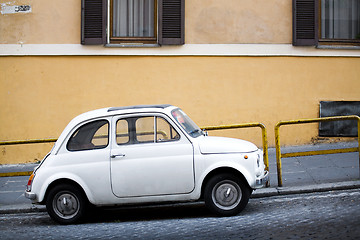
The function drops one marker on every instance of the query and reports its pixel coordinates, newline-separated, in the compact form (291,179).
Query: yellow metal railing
(208,128)
(247,125)
(17,142)
(50,140)
(279,155)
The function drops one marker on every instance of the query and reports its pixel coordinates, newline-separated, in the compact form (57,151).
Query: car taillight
(28,186)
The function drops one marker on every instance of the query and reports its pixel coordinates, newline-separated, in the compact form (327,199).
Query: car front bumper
(263,181)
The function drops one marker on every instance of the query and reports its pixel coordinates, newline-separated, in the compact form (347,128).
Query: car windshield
(186,123)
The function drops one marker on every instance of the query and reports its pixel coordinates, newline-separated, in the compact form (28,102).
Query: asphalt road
(12,190)
(327,215)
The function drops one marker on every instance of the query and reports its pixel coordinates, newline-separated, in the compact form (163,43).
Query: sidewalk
(299,175)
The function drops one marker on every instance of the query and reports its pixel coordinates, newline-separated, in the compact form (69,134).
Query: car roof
(162,106)
(120,110)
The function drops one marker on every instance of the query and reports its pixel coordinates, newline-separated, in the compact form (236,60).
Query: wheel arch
(63,181)
(222,170)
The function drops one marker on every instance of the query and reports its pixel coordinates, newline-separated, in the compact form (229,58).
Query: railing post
(358,120)
(278,154)
(265,146)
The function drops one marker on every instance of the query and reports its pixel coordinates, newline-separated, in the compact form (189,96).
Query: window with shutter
(133,22)
(326,22)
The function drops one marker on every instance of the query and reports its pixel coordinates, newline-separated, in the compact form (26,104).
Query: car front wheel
(226,195)
(66,204)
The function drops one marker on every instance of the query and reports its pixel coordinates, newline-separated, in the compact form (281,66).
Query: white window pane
(340,19)
(133,18)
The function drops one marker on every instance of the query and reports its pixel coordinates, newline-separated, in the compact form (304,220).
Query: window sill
(340,47)
(131,45)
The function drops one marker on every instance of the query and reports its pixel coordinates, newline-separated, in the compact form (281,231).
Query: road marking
(18,191)
(9,181)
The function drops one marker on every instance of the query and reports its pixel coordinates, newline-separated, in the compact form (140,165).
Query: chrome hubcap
(226,195)
(66,205)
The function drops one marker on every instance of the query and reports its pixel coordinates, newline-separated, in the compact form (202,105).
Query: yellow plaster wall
(206,21)
(40,95)
(50,22)
(238,21)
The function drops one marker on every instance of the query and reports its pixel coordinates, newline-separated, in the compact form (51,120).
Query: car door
(150,157)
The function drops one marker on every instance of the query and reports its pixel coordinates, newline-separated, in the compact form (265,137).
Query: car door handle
(117,155)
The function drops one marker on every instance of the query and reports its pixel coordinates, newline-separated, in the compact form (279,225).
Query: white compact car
(143,154)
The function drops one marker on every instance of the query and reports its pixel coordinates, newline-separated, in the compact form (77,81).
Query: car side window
(165,132)
(93,135)
(122,132)
(144,130)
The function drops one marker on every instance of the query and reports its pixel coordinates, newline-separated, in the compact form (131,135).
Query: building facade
(222,62)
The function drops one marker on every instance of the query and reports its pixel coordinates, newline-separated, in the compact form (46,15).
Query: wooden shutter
(171,22)
(305,22)
(93,22)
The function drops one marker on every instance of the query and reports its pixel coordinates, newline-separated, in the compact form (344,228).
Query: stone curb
(21,208)
(323,187)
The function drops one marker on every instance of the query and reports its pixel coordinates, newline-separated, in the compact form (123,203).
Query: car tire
(226,195)
(66,204)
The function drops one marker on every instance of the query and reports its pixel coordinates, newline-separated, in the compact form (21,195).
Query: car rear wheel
(66,204)
(226,195)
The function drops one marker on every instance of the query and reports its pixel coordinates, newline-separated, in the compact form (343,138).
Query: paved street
(328,215)
(12,190)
